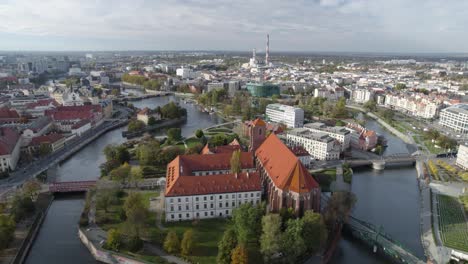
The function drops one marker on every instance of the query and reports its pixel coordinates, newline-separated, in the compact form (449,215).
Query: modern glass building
(263,89)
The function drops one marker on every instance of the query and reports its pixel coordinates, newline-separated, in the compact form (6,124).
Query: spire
(253,53)
(267,54)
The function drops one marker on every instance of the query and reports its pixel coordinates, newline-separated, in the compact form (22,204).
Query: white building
(202,186)
(319,145)
(455,118)
(10,145)
(414,104)
(185,73)
(362,95)
(462,157)
(341,134)
(291,116)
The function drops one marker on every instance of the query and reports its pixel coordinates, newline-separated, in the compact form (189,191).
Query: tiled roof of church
(283,167)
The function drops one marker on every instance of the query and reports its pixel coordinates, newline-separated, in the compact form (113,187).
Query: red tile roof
(259,122)
(181,181)
(8,113)
(144,111)
(51,138)
(8,139)
(283,167)
(44,102)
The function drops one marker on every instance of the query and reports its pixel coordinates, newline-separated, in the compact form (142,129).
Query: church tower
(257,133)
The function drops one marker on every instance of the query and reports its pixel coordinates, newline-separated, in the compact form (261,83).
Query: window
(204,198)
(245,195)
(180,216)
(188,215)
(172,208)
(220,205)
(198,215)
(196,199)
(220,197)
(186,207)
(240,195)
(197,206)
(233,204)
(220,214)
(211,197)
(178,200)
(186,199)
(227,204)
(227,212)
(212,213)
(204,206)
(172,200)
(260,131)
(206,213)
(172,216)
(258,194)
(180,208)
(212,205)
(251,194)
(233,196)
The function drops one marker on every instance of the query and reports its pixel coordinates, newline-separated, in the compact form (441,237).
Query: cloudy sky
(293,25)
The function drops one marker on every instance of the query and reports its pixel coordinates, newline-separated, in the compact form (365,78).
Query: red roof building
(231,147)
(10,142)
(288,183)
(8,116)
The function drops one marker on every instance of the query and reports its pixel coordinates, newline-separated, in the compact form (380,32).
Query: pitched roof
(181,181)
(51,138)
(8,113)
(144,111)
(259,122)
(44,102)
(283,167)
(8,139)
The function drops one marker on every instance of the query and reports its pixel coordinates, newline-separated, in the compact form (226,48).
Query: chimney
(235,175)
(248,175)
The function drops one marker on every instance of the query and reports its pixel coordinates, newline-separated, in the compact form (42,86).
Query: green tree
(194,149)
(136,175)
(236,162)
(239,255)
(105,198)
(292,243)
(388,115)
(136,212)
(199,133)
(114,240)
(186,246)
(7,230)
(152,121)
(170,153)
(31,188)
(340,108)
(247,221)
(314,231)
(171,243)
(136,125)
(237,104)
(271,231)
(121,174)
(400,86)
(226,246)
(118,153)
(338,208)
(174,134)
(370,105)
(172,110)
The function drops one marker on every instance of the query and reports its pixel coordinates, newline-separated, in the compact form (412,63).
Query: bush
(84,220)
(134,244)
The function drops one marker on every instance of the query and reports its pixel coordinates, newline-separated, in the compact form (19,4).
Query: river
(388,198)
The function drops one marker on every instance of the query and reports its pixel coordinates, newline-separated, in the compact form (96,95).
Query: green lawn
(464,200)
(452,223)
(207,233)
(147,195)
(325,178)
(191,142)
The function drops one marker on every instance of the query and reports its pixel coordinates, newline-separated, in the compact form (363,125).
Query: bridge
(74,186)
(376,238)
(386,160)
(223,124)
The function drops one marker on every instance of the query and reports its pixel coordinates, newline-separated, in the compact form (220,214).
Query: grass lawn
(325,178)
(452,223)
(147,195)
(207,234)
(191,142)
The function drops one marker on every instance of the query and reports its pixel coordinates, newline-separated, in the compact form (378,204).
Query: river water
(388,198)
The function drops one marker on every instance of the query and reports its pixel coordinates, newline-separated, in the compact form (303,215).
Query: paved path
(158,251)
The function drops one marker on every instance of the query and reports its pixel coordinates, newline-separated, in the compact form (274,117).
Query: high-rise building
(462,157)
(289,115)
(455,118)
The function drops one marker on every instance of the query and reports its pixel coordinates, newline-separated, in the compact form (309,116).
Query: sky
(294,25)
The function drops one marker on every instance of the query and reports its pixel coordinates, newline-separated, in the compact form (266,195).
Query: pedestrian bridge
(385,160)
(74,186)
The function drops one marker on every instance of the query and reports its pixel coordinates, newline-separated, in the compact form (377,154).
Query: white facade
(319,145)
(291,116)
(416,105)
(341,134)
(455,118)
(462,157)
(362,95)
(9,162)
(208,205)
(185,73)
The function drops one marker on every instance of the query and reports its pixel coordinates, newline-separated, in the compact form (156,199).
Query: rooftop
(306,133)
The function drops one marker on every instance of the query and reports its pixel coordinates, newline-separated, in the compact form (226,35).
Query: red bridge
(75,186)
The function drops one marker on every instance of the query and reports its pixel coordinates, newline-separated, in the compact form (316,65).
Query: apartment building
(319,145)
(292,117)
(341,134)
(462,157)
(455,118)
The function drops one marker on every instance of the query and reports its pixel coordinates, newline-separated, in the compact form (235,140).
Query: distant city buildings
(290,116)
(415,104)
(462,157)
(263,89)
(455,118)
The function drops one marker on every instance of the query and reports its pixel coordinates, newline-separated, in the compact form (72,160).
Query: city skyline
(317,26)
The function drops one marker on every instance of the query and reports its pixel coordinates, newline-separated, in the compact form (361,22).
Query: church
(203,186)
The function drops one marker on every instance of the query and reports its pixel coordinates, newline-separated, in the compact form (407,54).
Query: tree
(247,221)
(170,153)
(199,133)
(7,230)
(226,246)
(136,125)
(121,174)
(400,86)
(136,175)
(118,153)
(370,105)
(388,115)
(21,207)
(136,212)
(292,243)
(106,198)
(174,134)
(239,255)
(271,231)
(338,208)
(314,231)
(172,110)
(339,110)
(340,123)
(171,243)
(114,240)
(30,188)
(194,149)
(152,121)
(237,104)
(186,246)
(236,162)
